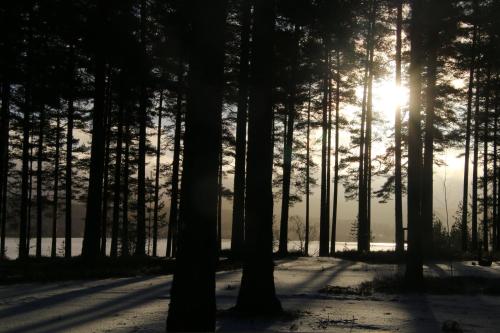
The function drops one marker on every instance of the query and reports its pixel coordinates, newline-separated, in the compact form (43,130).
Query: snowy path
(139,304)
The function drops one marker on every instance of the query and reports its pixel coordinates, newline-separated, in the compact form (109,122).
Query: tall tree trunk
(141,160)
(93,218)
(365,137)
(157,178)
(55,201)
(485,161)
(219,202)
(427,174)
(30,190)
(194,275)
(174,199)
(362,203)
(336,158)
(465,196)
(126,191)
(308,162)
(398,186)
(323,220)
(238,224)
(475,158)
(287,154)
(39,184)
(495,177)
(4,161)
(329,145)
(365,232)
(414,261)
(117,180)
(69,156)
(105,189)
(257,292)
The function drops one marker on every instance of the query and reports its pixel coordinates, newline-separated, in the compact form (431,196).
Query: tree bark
(55,201)
(93,218)
(475,158)
(287,154)
(117,180)
(465,196)
(398,186)
(414,261)
(238,223)
(323,220)
(174,199)
(336,158)
(257,292)
(157,178)
(308,162)
(69,156)
(485,160)
(126,191)
(141,161)
(105,189)
(4,161)
(39,184)
(194,276)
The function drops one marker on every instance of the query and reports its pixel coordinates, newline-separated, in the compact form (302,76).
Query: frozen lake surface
(12,248)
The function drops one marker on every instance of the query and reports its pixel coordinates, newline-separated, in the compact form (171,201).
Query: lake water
(76,246)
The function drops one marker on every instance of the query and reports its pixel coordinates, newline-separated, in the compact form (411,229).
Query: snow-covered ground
(140,304)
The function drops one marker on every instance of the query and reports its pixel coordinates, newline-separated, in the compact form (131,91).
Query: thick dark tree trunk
(287,154)
(93,218)
(257,292)
(194,276)
(174,199)
(140,247)
(398,186)
(238,225)
(55,200)
(117,181)
(157,178)
(414,261)
(427,174)
(69,156)
(39,182)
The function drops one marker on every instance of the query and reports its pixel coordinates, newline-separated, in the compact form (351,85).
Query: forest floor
(318,294)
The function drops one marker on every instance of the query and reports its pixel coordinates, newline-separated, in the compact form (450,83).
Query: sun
(387,97)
